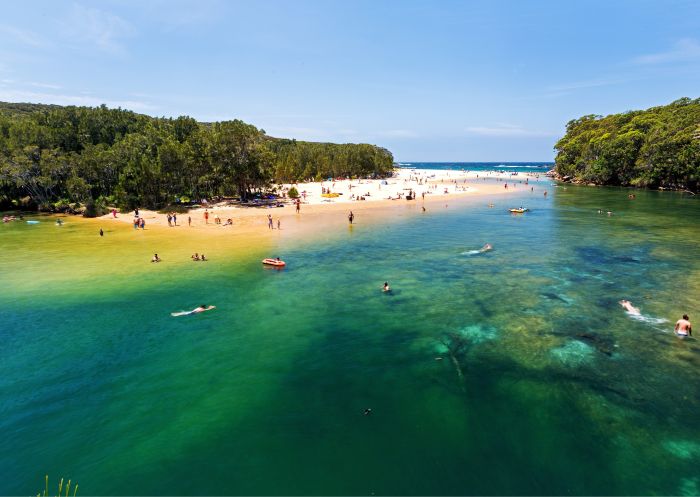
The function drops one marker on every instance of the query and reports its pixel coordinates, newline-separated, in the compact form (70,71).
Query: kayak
(273,262)
(519,211)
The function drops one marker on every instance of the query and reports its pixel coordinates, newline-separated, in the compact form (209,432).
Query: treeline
(654,148)
(52,157)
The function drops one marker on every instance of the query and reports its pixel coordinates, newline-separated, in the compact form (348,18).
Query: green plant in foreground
(60,489)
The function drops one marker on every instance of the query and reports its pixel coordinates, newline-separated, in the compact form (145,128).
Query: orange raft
(274,262)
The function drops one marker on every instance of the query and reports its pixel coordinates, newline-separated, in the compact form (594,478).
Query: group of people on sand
(683,328)
(195,257)
(271,223)
(172,219)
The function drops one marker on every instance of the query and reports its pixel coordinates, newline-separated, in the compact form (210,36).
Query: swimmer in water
(683,328)
(202,308)
(155,258)
(629,307)
(368,411)
(196,310)
(486,248)
(386,287)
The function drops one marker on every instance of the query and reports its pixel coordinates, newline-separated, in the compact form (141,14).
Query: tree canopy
(654,148)
(51,156)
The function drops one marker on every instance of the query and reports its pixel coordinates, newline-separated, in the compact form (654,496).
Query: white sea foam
(471,252)
(648,319)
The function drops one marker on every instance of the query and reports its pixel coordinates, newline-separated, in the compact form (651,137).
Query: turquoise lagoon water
(509,372)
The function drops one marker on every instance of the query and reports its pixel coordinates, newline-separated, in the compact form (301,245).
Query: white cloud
(97,27)
(9,95)
(48,86)
(685,49)
(591,83)
(21,35)
(398,133)
(311,134)
(507,130)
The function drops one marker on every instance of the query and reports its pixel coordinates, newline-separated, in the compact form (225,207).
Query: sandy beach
(430,188)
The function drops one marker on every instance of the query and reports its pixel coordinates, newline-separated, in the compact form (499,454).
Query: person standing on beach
(170,220)
(206,216)
(279,223)
(269,222)
(683,328)
(102,233)
(189,220)
(351,216)
(298,206)
(174,219)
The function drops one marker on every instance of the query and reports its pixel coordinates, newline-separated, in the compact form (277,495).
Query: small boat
(273,262)
(519,210)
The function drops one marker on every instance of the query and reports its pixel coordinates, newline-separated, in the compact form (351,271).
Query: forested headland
(53,158)
(653,148)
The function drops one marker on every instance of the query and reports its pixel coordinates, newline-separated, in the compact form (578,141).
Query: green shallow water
(545,385)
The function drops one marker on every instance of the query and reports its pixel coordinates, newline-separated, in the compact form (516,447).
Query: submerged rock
(574,353)
(683,449)
(478,334)
(689,486)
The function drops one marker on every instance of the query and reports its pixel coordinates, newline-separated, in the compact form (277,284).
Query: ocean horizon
(532,167)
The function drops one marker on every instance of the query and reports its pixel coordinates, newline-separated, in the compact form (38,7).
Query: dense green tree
(655,148)
(58,155)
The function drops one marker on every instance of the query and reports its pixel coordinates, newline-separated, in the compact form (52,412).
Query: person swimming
(155,258)
(486,248)
(196,310)
(627,305)
(386,287)
(202,308)
(683,329)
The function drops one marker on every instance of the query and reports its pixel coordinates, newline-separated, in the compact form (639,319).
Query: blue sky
(430,80)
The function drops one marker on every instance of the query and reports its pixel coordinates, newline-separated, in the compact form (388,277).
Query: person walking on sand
(351,216)
(206,216)
(102,233)
(269,222)
(279,223)
(174,219)
(683,328)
